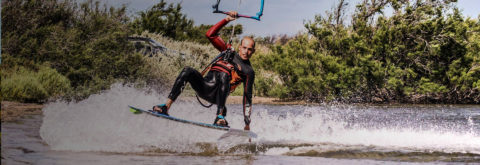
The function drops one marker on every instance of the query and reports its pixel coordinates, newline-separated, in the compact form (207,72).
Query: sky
(279,16)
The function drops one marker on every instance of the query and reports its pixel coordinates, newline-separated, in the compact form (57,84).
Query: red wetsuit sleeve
(212,35)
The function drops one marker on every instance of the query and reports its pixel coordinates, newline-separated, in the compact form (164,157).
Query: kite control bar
(256,17)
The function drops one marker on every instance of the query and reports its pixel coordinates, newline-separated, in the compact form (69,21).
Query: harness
(223,63)
(231,70)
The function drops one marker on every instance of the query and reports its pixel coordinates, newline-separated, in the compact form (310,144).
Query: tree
(86,44)
(165,19)
(198,34)
(425,52)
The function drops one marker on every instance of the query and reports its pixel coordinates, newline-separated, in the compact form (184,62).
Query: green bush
(53,82)
(169,21)
(425,51)
(21,84)
(84,42)
(427,87)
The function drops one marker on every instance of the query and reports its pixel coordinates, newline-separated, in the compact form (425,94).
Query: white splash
(321,126)
(103,122)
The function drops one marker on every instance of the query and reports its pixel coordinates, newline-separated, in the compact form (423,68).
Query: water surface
(101,130)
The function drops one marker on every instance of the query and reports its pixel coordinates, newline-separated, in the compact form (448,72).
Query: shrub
(424,50)
(53,82)
(23,86)
(27,85)
(84,42)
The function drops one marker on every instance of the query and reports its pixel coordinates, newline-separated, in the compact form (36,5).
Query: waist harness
(231,70)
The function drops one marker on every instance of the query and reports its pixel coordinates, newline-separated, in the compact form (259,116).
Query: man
(222,78)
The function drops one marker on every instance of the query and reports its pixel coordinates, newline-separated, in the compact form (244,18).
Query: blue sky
(279,17)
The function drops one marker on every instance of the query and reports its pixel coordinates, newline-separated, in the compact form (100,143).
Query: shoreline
(255,100)
(264,100)
(12,111)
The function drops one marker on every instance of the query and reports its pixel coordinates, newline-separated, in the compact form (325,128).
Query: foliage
(425,52)
(23,88)
(169,21)
(86,43)
(29,86)
(225,33)
(273,39)
(166,20)
(164,66)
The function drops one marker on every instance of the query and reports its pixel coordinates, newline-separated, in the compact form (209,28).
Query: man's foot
(161,109)
(221,121)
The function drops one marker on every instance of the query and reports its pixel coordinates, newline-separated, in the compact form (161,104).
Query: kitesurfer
(225,74)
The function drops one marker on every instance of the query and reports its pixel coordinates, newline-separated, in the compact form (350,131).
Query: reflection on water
(102,130)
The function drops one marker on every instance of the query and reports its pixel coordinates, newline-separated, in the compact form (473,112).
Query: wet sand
(263,100)
(12,111)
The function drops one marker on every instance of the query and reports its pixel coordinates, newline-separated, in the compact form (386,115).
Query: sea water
(101,130)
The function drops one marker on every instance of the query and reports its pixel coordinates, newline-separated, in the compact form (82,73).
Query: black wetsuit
(215,86)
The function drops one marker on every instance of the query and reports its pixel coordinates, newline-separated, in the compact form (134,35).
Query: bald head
(249,39)
(246,48)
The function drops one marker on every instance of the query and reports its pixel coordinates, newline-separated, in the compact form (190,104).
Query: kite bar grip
(239,15)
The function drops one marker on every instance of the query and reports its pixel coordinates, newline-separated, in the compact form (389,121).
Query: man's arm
(212,35)
(247,99)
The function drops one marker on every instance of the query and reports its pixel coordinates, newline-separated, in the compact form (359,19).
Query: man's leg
(222,94)
(191,76)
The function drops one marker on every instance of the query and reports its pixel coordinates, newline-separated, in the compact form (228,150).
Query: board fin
(134,111)
(238,132)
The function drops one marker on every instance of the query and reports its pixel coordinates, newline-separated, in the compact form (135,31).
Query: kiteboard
(231,131)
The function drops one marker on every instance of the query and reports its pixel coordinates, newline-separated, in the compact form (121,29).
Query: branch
(339,12)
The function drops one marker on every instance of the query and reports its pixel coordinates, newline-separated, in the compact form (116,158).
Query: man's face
(246,48)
